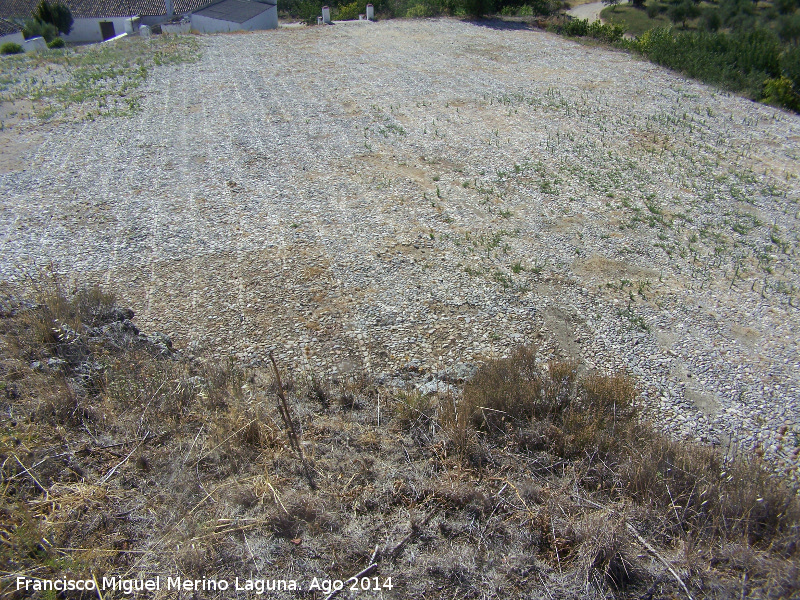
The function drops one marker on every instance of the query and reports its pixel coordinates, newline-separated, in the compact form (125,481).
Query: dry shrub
(302,513)
(610,395)
(57,311)
(512,392)
(505,392)
(194,559)
(597,420)
(22,532)
(226,382)
(345,391)
(605,551)
(92,304)
(549,409)
(220,488)
(592,422)
(251,434)
(464,497)
(156,389)
(412,411)
(458,428)
(319,391)
(709,496)
(559,387)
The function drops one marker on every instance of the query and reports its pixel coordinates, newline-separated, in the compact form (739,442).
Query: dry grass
(536,482)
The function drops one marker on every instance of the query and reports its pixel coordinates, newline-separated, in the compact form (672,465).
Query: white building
(10,32)
(99,20)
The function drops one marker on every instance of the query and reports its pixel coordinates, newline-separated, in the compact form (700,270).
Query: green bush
(11,48)
(308,10)
(56,43)
(790,64)
(781,92)
(35,28)
(605,32)
(749,61)
(739,61)
(349,12)
(477,8)
(419,11)
(576,27)
(652,39)
(582,28)
(789,28)
(510,8)
(545,7)
(711,19)
(680,12)
(787,7)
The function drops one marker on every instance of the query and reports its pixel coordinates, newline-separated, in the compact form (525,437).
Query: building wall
(181,26)
(17,38)
(266,20)
(270,19)
(35,44)
(203,24)
(88,30)
(151,20)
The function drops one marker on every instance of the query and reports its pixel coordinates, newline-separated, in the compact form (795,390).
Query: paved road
(589,11)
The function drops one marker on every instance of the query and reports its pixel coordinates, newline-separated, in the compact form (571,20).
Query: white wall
(35,44)
(208,25)
(88,30)
(266,20)
(17,38)
(154,20)
(270,19)
(179,27)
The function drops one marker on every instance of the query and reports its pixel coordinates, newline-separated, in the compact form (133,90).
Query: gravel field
(405,196)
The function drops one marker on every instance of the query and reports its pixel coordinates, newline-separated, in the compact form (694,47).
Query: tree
(711,19)
(36,28)
(612,3)
(56,14)
(683,10)
(63,18)
(477,8)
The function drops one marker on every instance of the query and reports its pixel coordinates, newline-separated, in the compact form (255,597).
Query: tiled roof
(7,27)
(103,8)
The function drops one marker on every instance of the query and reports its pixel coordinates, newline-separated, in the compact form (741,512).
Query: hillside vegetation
(752,48)
(120,458)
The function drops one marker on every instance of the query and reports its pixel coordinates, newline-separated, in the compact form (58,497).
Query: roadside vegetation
(121,458)
(308,10)
(753,62)
(745,47)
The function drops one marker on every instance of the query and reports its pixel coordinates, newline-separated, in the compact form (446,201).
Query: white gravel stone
(438,191)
